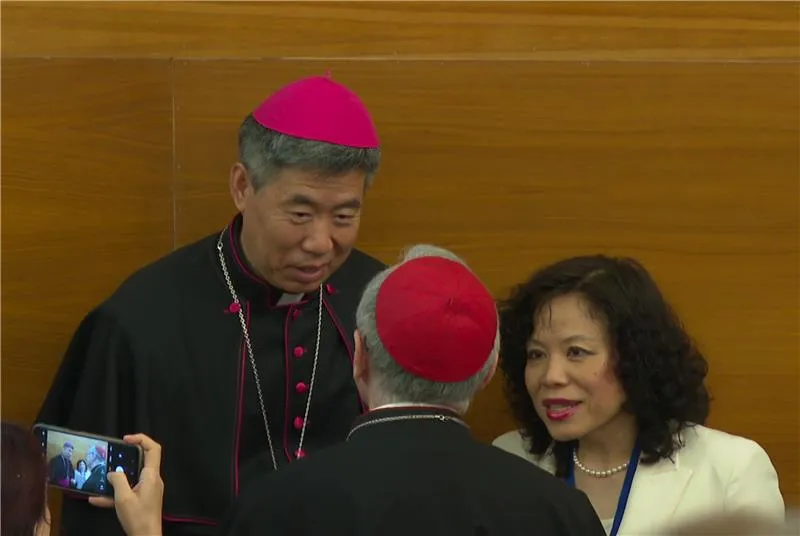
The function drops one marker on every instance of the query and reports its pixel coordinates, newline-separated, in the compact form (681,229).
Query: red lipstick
(560,409)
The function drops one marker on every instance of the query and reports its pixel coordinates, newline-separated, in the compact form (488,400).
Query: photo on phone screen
(79,462)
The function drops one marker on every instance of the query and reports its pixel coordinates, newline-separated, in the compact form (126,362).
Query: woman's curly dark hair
(659,367)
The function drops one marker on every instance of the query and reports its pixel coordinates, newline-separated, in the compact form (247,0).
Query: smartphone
(78,462)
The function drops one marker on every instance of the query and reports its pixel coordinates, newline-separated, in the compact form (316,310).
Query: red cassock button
(299,453)
(295,314)
(301,387)
(330,288)
(299,351)
(298,422)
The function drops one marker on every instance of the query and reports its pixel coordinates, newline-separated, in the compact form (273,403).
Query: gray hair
(394,383)
(265,153)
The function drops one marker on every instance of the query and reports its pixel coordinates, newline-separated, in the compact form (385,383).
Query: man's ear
(360,362)
(239,185)
(361,370)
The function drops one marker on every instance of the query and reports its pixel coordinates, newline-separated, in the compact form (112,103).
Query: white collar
(286,299)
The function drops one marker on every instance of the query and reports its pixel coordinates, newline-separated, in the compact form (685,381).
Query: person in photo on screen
(96,460)
(60,469)
(82,473)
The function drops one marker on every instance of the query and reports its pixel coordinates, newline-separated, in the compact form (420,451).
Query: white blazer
(714,473)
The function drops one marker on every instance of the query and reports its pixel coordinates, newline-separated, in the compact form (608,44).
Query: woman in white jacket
(609,393)
(81,474)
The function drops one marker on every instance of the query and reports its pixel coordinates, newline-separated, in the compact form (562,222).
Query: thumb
(119,482)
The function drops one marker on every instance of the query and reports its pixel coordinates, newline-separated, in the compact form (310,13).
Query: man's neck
(243,245)
(609,445)
(277,295)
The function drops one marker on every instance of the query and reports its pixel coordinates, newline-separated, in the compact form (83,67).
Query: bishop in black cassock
(235,352)
(427,341)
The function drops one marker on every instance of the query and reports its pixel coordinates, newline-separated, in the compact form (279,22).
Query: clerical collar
(410,406)
(247,282)
(383,416)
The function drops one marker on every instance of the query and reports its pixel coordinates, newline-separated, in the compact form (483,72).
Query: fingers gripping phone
(79,462)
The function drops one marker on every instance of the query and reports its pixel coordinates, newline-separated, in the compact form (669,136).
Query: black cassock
(165,355)
(411,477)
(60,469)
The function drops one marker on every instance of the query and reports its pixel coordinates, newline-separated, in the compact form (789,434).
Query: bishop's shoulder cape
(164,355)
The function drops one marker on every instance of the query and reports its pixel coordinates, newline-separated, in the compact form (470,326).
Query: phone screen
(79,462)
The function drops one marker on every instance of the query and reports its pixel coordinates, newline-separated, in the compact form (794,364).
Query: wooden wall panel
(658,161)
(392,30)
(87,171)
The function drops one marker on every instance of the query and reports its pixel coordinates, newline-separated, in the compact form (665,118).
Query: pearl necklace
(299,453)
(597,473)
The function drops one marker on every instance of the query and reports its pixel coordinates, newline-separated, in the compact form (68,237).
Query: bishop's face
(300,228)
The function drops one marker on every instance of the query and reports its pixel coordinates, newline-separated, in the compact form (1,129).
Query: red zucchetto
(436,319)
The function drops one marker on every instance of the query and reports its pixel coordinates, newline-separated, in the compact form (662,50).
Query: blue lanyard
(633,463)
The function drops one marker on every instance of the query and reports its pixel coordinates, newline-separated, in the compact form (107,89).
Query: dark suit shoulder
(534,476)
(524,482)
(362,490)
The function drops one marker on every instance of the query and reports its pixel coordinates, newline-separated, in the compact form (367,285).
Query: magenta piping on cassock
(195,520)
(350,350)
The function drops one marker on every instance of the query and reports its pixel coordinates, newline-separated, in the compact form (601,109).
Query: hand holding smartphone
(138,508)
(79,462)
